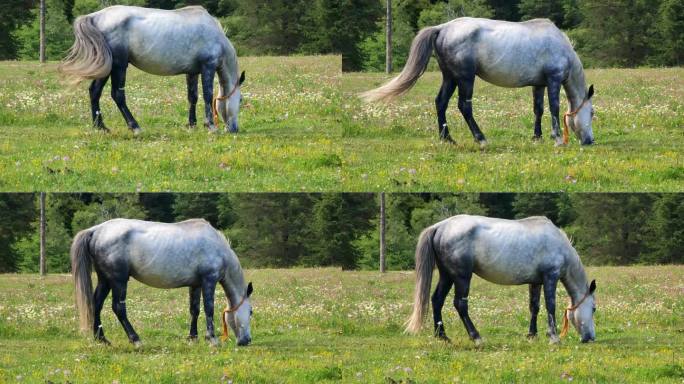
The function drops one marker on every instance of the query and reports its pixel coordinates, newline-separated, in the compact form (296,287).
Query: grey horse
(511,252)
(531,53)
(187,40)
(186,254)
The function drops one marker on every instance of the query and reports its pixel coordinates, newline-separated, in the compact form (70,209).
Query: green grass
(303,129)
(323,325)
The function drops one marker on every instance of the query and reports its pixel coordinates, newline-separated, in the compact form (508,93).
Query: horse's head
(580,119)
(239,320)
(582,317)
(233,105)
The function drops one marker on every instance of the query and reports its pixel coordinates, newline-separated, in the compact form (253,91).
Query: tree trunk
(43,269)
(382,232)
(42,31)
(388,44)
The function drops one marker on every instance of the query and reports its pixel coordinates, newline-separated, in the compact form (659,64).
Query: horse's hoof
(444,338)
(136,131)
(483,144)
(137,344)
(192,339)
(213,341)
(536,139)
(212,129)
(479,342)
(559,143)
(531,336)
(554,340)
(103,341)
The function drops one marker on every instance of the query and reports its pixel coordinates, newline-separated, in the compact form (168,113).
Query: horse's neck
(575,86)
(234,285)
(228,74)
(575,281)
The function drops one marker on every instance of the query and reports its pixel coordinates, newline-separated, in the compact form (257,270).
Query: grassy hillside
(302,128)
(323,325)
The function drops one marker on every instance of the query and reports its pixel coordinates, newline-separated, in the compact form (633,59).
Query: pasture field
(323,325)
(304,129)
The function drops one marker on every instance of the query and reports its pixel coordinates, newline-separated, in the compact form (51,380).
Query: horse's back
(504,251)
(163,42)
(504,53)
(163,255)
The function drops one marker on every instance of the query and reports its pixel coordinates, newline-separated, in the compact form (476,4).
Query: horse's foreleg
(550,282)
(191,80)
(438,297)
(208,72)
(101,292)
(465,105)
(462,288)
(195,293)
(535,295)
(95,92)
(208,288)
(119,308)
(442,103)
(538,95)
(554,86)
(119,95)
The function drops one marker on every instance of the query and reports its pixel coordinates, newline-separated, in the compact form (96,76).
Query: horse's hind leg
(462,288)
(465,105)
(538,95)
(442,103)
(535,294)
(191,80)
(208,288)
(438,297)
(95,92)
(119,95)
(101,292)
(550,282)
(119,308)
(208,72)
(195,293)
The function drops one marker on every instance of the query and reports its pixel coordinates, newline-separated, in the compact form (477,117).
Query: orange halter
(224,336)
(566,132)
(566,320)
(214,102)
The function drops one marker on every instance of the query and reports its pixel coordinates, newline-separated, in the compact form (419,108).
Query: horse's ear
(249,289)
(242,78)
(590,93)
(592,287)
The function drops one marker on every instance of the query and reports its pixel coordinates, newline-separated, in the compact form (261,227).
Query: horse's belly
(159,280)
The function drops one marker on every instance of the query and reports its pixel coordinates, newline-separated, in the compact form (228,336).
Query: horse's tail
(81,268)
(90,57)
(425,264)
(419,56)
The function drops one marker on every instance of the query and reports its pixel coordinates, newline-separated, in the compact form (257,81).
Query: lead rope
(566,320)
(226,311)
(566,132)
(214,102)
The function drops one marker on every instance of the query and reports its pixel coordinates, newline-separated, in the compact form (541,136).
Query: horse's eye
(593,309)
(241,103)
(251,312)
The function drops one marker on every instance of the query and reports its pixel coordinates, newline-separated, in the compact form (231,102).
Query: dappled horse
(531,53)
(511,252)
(186,254)
(162,42)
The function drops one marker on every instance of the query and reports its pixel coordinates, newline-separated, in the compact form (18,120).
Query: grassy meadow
(303,129)
(323,325)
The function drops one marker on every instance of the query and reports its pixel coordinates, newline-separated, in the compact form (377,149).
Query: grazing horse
(511,252)
(532,53)
(187,40)
(186,254)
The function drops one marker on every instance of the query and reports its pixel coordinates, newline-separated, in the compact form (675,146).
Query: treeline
(605,32)
(341,229)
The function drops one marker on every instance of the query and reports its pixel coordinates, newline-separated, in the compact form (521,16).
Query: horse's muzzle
(587,339)
(244,341)
(588,141)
